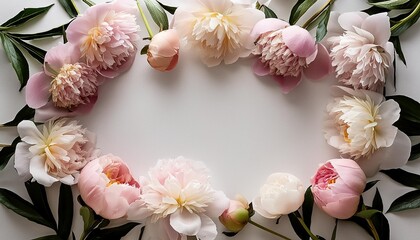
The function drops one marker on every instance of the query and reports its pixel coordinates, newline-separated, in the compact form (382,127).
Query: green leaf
(415,152)
(115,232)
(229,234)
(397,45)
(369,185)
(374,10)
(7,152)
(377,201)
(366,214)
(268,12)
(58,31)
(334,233)
(297,226)
(401,26)
(39,199)
(307,207)
(321,30)
(69,7)
(409,121)
(17,60)
(65,211)
(158,14)
(169,9)
(49,237)
(144,49)
(22,207)
(87,216)
(26,113)
(390,4)
(35,52)
(410,200)
(381,225)
(299,9)
(403,177)
(142,232)
(25,15)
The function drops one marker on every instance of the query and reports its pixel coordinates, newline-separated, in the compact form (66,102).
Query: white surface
(241,126)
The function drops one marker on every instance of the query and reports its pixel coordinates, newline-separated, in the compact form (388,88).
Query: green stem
(75,6)
(373,229)
(146,23)
(268,230)
(89,3)
(413,13)
(316,15)
(4,145)
(307,229)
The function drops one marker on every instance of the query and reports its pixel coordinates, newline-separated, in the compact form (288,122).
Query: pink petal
(379,26)
(333,25)
(37,90)
(299,41)
(22,160)
(351,174)
(267,25)
(321,66)
(350,20)
(185,222)
(112,73)
(344,207)
(260,69)
(59,55)
(208,229)
(288,83)
(38,172)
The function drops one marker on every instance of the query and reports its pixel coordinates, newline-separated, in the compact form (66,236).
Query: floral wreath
(369,130)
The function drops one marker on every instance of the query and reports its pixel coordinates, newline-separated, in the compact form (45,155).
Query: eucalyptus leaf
(377,201)
(58,31)
(321,30)
(268,12)
(390,4)
(169,9)
(398,49)
(297,226)
(299,9)
(366,214)
(17,60)
(370,184)
(25,15)
(22,207)
(65,211)
(7,152)
(307,207)
(403,177)
(49,237)
(158,14)
(26,113)
(35,52)
(410,200)
(415,152)
(69,7)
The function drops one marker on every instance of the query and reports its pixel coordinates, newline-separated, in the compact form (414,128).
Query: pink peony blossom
(66,87)
(107,35)
(57,153)
(106,185)
(359,48)
(285,52)
(178,195)
(163,50)
(337,186)
(237,215)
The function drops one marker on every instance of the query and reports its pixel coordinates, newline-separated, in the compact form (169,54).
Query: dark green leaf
(390,4)
(7,152)
(410,200)
(49,237)
(369,185)
(409,121)
(381,225)
(374,10)
(405,178)
(142,232)
(25,15)
(65,211)
(58,31)
(334,233)
(377,201)
(401,26)
(39,199)
(69,7)
(366,214)
(230,234)
(297,226)
(35,52)
(299,9)
(26,113)
(17,60)
(251,210)
(87,216)
(321,30)
(115,232)
(169,9)
(144,49)
(307,207)
(268,12)
(398,49)
(158,14)
(22,207)
(415,152)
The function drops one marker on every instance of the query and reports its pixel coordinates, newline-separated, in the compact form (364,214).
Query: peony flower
(337,186)
(163,50)
(179,196)
(237,215)
(286,52)
(66,87)
(57,153)
(360,51)
(217,29)
(282,193)
(107,186)
(107,35)
(360,127)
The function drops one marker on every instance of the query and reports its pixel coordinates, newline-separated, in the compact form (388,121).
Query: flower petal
(37,90)
(321,66)
(267,25)
(351,19)
(29,132)
(59,55)
(22,160)
(218,205)
(299,41)
(379,26)
(114,72)
(260,69)
(288,83)
(208,229)
(38,172)
(398,153)
(259,209)
(185,222)
(335,209)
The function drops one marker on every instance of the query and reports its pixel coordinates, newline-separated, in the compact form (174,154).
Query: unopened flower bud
(236,216)
(163,50)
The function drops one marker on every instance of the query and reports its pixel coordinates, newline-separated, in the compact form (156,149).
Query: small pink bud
(163,50)
(236,216)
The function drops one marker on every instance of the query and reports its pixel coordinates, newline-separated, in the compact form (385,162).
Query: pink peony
(237,215)
(285,52)
(106,185)
(360,51)
(163,50)
(337,186)
(66,87)
(107,35)
(178,195)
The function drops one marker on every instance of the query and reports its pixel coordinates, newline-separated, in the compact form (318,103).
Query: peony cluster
(102,44)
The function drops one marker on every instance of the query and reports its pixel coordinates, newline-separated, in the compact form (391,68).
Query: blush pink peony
(337,186)
(163,50)
(287,52)
(106,185)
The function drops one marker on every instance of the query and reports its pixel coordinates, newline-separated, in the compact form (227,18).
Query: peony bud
(236,216)
(163,50)
(337,186)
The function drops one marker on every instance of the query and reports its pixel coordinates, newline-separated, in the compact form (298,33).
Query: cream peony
(57,153)
(217,29)
(360,127)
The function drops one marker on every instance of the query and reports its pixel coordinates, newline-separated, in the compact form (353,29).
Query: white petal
(138,211)
(379,26)
(218,205)
(398,153)
(68,180)
(22,159)
(258,208)
(36,168)
(28,132)
(185,222)
(208,229)
(351,19)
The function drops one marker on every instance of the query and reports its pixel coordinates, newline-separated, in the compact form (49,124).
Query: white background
(241,126)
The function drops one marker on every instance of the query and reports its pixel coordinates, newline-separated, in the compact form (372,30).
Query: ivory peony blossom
(107,186)
(286,52)
(282,193)
(217,29)
(237,215)
(360,51)
(57,153)
(179,196)
(163,50)
(337,186)
(107,35)
(66,87)
(360,127)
